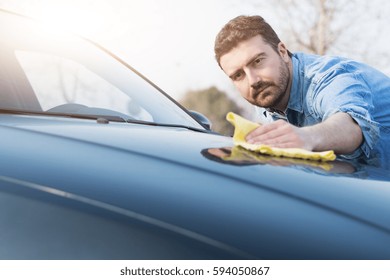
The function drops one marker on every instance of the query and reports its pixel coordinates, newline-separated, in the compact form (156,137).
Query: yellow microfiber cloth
(240,154)
(244,126)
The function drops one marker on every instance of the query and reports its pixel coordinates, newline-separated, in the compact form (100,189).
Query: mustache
(260,86)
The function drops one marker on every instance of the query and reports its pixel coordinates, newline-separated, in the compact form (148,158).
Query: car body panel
(164,180)
(83,182)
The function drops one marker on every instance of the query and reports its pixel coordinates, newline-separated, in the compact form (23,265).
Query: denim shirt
(325,85)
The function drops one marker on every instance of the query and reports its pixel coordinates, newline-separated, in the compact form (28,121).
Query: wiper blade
(97,117)
(60,114)
(167,125)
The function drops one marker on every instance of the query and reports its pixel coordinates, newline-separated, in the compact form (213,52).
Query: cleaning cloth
(243,127)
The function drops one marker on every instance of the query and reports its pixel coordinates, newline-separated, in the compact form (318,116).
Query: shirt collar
(295,101)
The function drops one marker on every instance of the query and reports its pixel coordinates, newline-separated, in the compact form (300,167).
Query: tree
(336,27)
(310,24)
(214,104)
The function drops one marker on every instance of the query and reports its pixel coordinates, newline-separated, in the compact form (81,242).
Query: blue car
(96,162)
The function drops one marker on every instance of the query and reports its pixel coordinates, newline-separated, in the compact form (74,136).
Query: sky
(169,41)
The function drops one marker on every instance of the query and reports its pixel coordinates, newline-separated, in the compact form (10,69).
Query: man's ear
(283,51)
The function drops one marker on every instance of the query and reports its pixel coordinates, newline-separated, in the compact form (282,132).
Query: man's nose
(253,79)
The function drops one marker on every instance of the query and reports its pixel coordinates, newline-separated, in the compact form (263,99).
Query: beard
(268,94)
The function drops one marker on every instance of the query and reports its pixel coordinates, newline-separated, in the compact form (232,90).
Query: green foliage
(214,104)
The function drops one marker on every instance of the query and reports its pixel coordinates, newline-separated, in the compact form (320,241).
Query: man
(318,103)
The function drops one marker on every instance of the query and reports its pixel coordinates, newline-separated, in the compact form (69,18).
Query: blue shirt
(325,85)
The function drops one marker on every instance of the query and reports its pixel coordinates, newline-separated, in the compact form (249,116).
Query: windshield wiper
(99,117)
(60,114)
(168,125)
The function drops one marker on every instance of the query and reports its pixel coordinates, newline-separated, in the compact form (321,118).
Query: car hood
(178,152)
(185,147)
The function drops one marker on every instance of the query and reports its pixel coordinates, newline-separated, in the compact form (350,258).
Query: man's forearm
(339,133)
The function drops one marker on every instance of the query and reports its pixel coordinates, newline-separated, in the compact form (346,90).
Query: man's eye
(257,61)
(237,76)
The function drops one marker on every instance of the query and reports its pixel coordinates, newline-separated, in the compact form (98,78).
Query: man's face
(261,74)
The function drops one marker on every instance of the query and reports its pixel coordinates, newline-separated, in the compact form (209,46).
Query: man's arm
(339,133)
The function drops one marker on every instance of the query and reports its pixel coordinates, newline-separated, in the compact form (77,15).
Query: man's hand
(280,134)
(339,133)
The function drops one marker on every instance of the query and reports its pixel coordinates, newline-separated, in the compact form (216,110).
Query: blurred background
(171,41)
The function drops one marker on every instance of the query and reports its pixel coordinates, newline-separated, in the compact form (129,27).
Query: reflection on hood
(358,168)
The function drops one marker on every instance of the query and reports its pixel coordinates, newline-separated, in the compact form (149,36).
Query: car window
(57,80)
(44,69)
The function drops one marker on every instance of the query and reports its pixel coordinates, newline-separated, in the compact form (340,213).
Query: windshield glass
(45,71)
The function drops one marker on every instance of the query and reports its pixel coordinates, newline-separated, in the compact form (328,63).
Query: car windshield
(44,71)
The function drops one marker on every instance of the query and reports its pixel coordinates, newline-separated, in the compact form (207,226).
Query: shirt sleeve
(345,90)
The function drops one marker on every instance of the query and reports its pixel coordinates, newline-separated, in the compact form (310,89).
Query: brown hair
(241,29)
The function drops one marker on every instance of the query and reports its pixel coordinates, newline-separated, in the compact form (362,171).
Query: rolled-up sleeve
(344,90)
